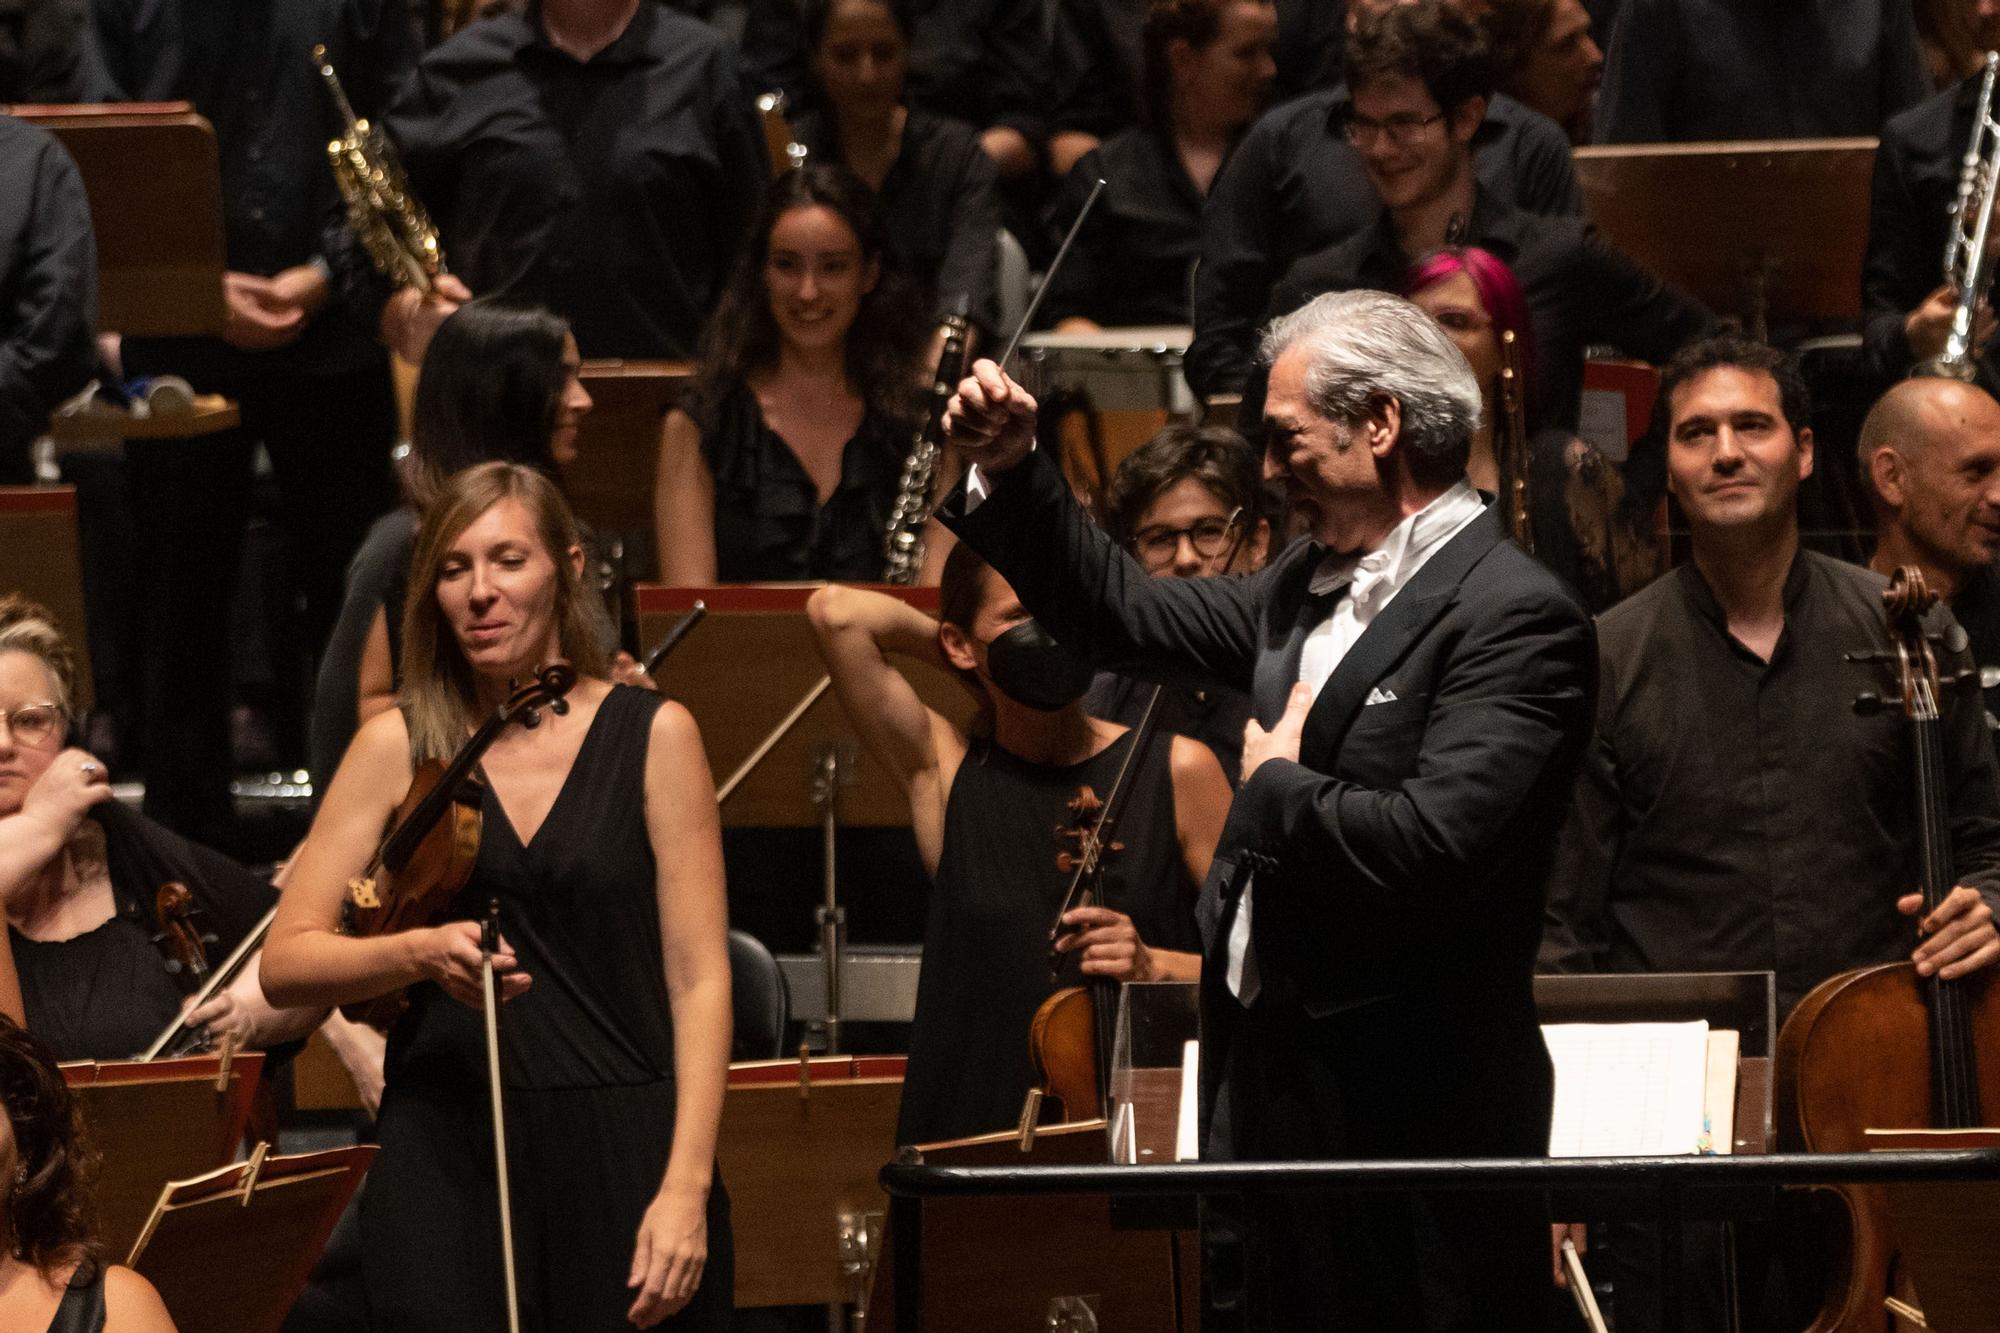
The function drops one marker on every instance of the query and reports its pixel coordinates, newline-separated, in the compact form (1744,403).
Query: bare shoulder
(1191,761)
(674,729)
(131,1305)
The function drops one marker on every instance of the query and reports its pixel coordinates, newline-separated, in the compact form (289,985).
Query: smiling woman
(784,461)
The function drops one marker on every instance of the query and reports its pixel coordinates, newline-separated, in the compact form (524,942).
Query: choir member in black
(1296,184)
(1907,301)
(1188,504)
(1544,56)
(1735,813)
(784,460)
(48,287)
(989,810)
(936,188)
(986,62)
(1930,453)
(498,382)
(599,839)
(53,1272)
(79,873)
(598,157)
(1592,520)
(1208,71)
(1955,36)
(41,50)
(1422,693)
(1696,70)
(1419,82)
(299,356)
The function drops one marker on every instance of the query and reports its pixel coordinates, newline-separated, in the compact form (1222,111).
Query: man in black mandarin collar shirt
(609,174)
(1735,812)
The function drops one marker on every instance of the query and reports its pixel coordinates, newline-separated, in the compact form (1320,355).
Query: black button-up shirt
(941,204)
(1684,70)
(1294,185)
(41,50)
(1581,290)
(48,289)
(247,66)
(614,191)
(1738,815)
(1909,215)
(1132,261)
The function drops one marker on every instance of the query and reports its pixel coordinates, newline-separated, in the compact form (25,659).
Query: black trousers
(1413,1077)
(328,437)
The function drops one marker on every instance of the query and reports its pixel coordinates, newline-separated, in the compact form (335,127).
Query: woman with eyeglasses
(79,874)
(1187,504)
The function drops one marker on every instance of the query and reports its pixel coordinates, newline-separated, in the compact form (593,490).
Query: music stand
(44,562)
(788,760)
(157,1121)
(800,1146)
(610,481)
(150,169)
(1773,230)
(1010,1259)
(270,1216)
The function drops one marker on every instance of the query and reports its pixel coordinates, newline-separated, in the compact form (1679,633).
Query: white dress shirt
(1367,584)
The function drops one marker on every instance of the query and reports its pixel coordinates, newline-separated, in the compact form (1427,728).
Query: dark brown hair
(50,1214)
(1216,456)
(1427,41)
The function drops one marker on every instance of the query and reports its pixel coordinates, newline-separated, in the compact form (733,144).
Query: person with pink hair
(1592,519)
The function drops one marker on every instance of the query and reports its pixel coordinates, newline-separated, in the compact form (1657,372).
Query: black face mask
(1033,669)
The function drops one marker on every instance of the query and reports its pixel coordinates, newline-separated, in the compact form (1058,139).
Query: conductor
(1422,693)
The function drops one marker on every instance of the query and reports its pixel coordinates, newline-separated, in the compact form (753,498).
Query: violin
(1881,1047)
(186,946)
(1071,1034)
(429,855)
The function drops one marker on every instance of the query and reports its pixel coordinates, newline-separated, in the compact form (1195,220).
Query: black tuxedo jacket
(1407,850)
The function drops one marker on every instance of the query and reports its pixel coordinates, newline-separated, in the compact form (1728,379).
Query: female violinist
(785,459)
(79,874)
(990,813)
(599,840)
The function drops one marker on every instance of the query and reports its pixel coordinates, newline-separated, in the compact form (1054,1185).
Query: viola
(429,855)
(1881,1047)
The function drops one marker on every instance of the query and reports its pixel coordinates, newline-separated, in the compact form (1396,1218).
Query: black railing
(1668,1180)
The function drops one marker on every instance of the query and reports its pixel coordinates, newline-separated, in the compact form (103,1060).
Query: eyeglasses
(1402,130)
(1158,547)
(32,723)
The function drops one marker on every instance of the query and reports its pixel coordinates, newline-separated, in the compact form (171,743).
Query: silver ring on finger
(90,768)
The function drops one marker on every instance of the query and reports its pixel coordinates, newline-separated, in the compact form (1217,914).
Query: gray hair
(1365,344)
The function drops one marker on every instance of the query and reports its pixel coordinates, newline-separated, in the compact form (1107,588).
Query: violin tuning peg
(1870,656)
(1869,703)
(559,707)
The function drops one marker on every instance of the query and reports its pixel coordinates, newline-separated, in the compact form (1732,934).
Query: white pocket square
(1378,695)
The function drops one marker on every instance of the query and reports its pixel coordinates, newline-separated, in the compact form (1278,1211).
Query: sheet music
(1187,1134)
(1627,1089)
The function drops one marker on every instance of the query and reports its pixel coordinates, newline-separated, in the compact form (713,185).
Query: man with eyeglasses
(1187,504)
(1294,184)
(1420,81)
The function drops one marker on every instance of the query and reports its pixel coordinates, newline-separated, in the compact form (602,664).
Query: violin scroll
(186,946)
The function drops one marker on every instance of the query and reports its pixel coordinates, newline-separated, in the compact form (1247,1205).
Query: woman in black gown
(600,843)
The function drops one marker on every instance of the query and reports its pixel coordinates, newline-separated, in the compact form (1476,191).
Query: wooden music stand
(993,1265)
(751,661)
(1773,231)
(800,1147)
(1949,1234)
(155,190)
(270,1216)
(159,1121)
(610,482)
(44,562)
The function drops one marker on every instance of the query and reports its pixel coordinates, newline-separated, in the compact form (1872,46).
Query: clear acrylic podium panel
(1156,1021)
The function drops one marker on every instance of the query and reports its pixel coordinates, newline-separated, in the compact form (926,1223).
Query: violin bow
(489,942)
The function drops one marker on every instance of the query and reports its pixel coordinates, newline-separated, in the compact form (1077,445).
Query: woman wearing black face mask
(987,810)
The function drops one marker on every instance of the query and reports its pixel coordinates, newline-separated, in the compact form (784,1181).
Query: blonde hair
(29,627)
(438,697)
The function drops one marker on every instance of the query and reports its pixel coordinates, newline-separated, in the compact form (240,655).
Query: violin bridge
(361,892)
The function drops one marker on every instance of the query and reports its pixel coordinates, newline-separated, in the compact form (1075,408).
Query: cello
(1882,1047)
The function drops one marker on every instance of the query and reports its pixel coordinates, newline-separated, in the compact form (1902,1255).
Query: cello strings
(1951,1051)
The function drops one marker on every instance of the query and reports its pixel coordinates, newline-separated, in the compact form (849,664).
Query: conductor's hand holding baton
(991,419)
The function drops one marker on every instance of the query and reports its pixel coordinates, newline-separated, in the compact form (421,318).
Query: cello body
(1854,1056)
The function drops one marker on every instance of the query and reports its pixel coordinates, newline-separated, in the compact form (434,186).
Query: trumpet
(387,218)
(1967,267)
(1510,445)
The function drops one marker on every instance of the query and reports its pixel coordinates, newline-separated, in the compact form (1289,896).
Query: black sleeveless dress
(82,1308)
(986,936)
(587,1061)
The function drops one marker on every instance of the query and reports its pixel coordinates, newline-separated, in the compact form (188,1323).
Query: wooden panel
(39,557)
(610,483)
(156,204)
(1791,214)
